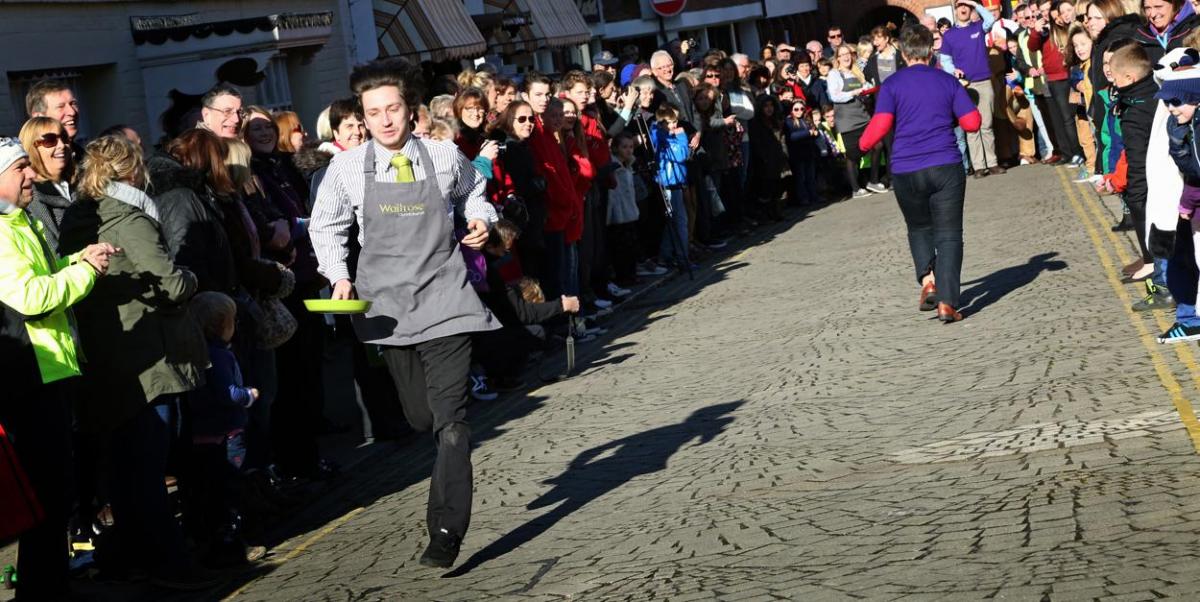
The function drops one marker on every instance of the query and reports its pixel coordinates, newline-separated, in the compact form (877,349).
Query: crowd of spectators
(153,301)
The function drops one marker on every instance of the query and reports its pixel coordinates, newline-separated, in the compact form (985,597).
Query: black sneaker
(442,550)
(1179,334)
(1157,298)
(1125,225)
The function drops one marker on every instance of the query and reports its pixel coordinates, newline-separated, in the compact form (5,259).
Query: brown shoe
(1054,159)
(998,171)
(1132,268)
(947,314)
(981,174)
(928,300)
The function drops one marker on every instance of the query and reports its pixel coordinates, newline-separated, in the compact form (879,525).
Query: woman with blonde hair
(133,397)
(846,86)
(53,163)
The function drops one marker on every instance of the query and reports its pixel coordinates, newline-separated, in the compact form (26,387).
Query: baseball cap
(605,58)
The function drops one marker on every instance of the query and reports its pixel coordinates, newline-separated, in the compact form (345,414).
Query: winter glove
(1161,243)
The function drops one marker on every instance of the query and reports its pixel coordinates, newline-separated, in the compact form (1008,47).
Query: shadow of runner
(995,286)
(588,478)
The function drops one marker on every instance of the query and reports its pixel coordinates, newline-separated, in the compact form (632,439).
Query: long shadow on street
(600,470)
(995,286)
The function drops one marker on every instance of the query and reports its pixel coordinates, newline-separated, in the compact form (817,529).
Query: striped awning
(545,24)
(426,30)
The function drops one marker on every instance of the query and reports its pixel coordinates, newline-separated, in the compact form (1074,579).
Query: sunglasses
(522,118)
(835,36)
(49,140)
(1174,102)
(712,76)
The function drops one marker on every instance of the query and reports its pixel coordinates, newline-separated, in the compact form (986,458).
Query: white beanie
(10,152)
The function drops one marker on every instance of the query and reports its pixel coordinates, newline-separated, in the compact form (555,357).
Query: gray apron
(410,268)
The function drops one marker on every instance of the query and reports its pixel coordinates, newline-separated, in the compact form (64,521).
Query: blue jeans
(1183,275)
(674,246)
(146,533)
(932,203)
(961,138)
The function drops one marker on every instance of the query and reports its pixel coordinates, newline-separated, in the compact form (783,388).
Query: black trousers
(593,258)
(299,408)
(1062,120)
(932,203)
(40,429)
(431,378)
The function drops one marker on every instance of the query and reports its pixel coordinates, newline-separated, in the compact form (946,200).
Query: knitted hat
(1179,74)
(10,152)
(627,73)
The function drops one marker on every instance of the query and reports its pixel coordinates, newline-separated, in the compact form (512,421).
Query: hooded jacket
(1159,43)
(36,290)
(138,310)
(191,221)
(1136,108)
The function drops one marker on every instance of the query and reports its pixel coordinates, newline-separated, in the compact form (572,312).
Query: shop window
(275,91)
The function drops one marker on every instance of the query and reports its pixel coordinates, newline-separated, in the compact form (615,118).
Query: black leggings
(854,158)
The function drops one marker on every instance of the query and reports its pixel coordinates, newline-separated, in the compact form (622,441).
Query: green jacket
(139,339)
(36,288)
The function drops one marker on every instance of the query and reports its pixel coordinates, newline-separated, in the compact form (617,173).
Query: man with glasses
(967,45)
(221,111)
(835,39)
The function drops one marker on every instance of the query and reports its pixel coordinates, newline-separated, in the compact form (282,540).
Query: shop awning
(531,25)
(426,30)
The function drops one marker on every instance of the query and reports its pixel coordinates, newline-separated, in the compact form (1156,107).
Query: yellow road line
(1186,414)
(1183,352)
(298,550)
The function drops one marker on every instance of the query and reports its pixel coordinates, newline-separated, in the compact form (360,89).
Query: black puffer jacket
(192,223)
(1181,27)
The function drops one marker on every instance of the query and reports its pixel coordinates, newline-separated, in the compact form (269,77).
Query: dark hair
(534,77)
(505,120)
(204,152)
(600,79)
(916,43)
(35,98)
(115,130)
(707,88)
(503,82)
(342,108)
(218,91)
(390,72)
(944,22)
(621,137)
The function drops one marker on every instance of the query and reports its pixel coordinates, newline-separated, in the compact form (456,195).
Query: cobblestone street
(788,426)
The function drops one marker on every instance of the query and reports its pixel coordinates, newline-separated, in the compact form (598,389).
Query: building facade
(130,61)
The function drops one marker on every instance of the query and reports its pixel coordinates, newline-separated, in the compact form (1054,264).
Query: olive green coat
(139,340)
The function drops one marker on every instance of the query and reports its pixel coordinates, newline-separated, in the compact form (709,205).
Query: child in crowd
(623,211)
(670,142)
(219,419)
(831,152)
(503,353)
(1181,93)
(802,153)
(1135,86)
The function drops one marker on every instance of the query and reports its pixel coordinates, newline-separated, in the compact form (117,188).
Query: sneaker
(1158,298)
(480,390)
(876,187)
(1125,225)
(602,303)
(650,268)
(861,193)
(1076,161)
(617,291)
(717,244)
(1179,334)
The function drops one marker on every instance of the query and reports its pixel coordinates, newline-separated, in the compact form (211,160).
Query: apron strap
(369,160)
(426,162)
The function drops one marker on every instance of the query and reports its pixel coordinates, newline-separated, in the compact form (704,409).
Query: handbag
(20,510)
(274,325)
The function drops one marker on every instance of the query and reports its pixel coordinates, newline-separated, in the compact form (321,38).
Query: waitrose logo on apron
(401,209)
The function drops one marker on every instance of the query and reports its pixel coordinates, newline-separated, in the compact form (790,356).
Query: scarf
(133,197)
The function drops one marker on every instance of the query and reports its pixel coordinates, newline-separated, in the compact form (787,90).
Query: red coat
(1052,56)
(563,202)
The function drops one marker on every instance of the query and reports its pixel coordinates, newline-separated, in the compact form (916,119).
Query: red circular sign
(668,8)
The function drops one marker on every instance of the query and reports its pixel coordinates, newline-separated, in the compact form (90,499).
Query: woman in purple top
(924,104)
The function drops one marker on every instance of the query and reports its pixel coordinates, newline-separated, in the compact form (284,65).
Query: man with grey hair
(815,50)
(929,22)
(743,65)
(676,93)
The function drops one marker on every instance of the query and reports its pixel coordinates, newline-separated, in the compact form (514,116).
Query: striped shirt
(339,198)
